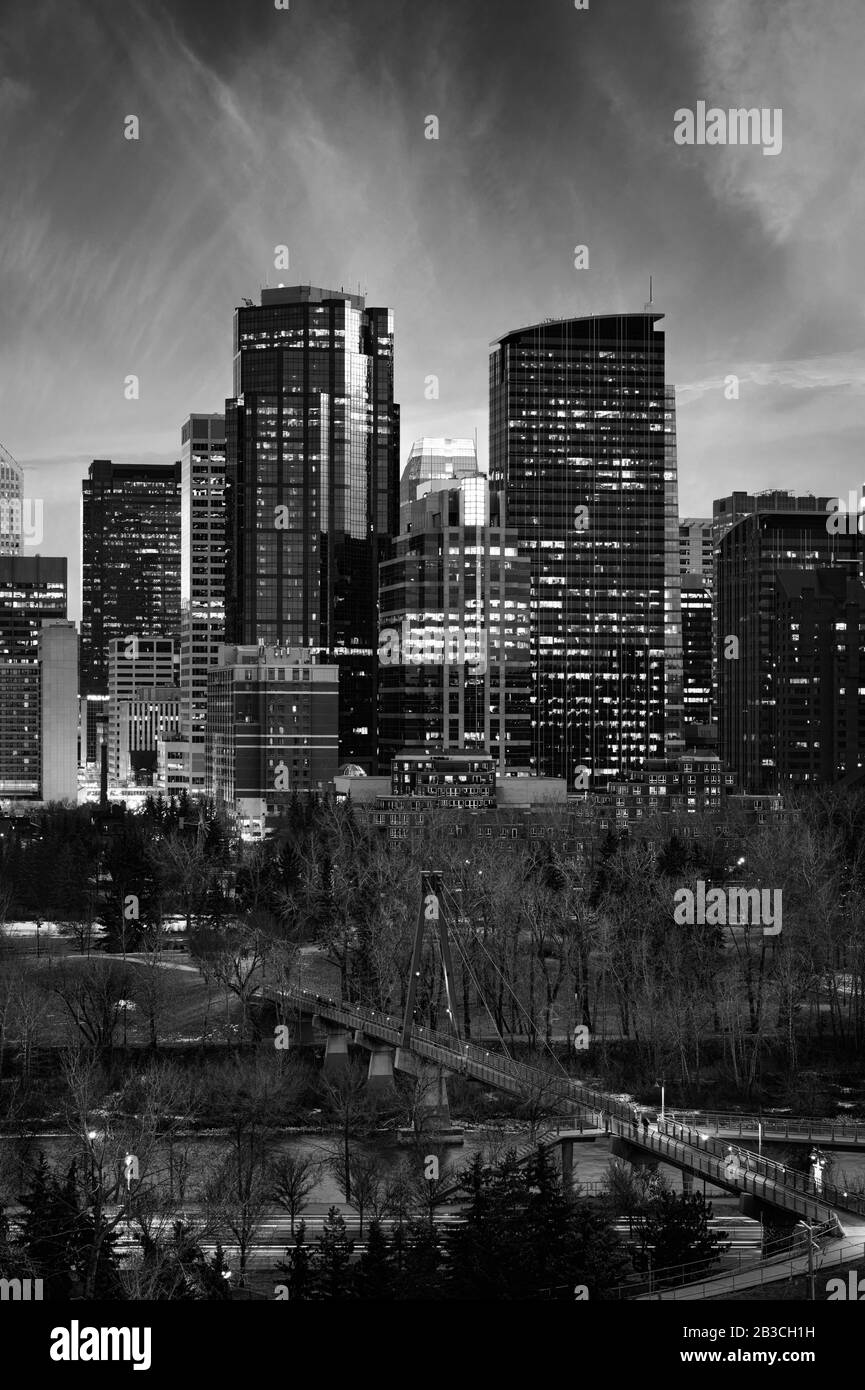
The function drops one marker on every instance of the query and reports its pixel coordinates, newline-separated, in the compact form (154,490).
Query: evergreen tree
(676,1232)
(525,1238)
(47,1236)
(177,1269)
(375,1275)
(332,1276)
(421,1264)
(297,1268)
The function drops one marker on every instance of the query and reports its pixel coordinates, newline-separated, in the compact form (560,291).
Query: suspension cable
(533,1029)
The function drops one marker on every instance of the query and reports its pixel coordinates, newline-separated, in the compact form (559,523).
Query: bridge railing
(668,1277)
(767,1184)
(774,1126)
(758,1165)
(722,1282)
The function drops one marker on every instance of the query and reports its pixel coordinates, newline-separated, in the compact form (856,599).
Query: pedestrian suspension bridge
(696,1144)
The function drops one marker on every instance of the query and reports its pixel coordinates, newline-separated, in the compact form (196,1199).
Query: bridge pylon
(431,913)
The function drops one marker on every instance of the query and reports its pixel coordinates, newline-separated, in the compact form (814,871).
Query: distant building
(696,549)
(130,566)
(11,503)
(696,652)
(202,579)
(662,800)
(143,704)
(819,673)
(751,553)
(453,645)
(272,732)
(729,511)
(431,464)
(172,765)
(447,778)
(312,491)
(58,708)
(32,591)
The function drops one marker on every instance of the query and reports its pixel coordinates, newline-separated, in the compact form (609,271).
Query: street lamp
(659,1085)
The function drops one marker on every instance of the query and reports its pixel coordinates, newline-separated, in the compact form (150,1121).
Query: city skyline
(754,261)
(430,435)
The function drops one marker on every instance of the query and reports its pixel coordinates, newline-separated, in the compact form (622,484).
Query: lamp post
(660,1086)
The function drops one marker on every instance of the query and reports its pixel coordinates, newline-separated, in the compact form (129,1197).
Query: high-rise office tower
(202,578)
(751,553)
(130,559)
(454,639)
(11,503)
(819,667)
(32,590)
(674,715)
(434,461)
(312,487)
(582,439)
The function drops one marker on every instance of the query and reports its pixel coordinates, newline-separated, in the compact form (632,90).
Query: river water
(199,1154)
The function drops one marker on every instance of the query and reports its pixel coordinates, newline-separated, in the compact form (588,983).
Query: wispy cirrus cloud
(305,128)
(838,372)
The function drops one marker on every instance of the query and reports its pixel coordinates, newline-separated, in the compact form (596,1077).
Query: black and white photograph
(432,675)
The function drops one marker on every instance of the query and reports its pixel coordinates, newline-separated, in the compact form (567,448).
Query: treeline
(540,943)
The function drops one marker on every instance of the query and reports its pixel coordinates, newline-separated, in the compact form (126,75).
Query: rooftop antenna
(651,299)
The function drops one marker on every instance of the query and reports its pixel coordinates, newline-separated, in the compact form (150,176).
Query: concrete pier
(380,1074)
(336,1051)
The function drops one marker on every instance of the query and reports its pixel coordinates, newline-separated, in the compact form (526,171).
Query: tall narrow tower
(202,579)
(312,440)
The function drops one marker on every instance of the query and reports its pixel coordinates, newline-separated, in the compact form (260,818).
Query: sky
(305,127)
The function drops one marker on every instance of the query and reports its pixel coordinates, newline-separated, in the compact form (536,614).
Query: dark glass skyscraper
(312,478)
(750,555)
(130,560)
(820,665)
(582,439)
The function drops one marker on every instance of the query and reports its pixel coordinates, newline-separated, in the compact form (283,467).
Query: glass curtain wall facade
(582,440)
(820,663)
(750,555)
(312,441)
(431,463)
(11,503)
(454,639)
(130,560)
